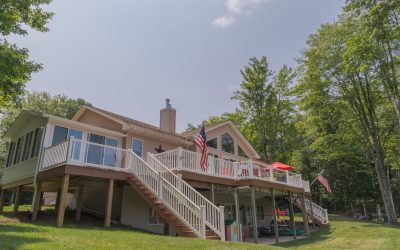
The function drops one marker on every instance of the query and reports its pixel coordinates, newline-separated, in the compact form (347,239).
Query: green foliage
(15,66)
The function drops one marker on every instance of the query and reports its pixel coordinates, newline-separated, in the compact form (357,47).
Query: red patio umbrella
(282,166)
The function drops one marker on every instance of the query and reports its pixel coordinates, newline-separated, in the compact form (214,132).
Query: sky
(127,56)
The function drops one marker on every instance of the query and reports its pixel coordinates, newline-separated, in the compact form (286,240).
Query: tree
(58,105)
(336,59)
(15,66)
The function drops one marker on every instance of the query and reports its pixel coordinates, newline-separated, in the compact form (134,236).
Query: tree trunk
(385,188)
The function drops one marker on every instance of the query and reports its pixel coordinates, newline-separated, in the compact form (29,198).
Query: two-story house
(150,177)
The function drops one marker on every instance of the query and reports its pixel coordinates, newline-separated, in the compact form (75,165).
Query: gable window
(212,143)
(227,143)
(241,152)
(137,147)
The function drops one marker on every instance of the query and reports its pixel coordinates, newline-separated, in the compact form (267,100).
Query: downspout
(39,162)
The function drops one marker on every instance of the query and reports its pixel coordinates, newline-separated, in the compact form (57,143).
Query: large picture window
(227,143)
(98,154)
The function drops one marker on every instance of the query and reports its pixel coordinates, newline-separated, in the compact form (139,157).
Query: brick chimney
(168,118)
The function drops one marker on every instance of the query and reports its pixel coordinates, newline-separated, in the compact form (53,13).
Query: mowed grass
(20,233)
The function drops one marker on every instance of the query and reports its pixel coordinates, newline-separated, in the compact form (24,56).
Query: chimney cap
(167,103)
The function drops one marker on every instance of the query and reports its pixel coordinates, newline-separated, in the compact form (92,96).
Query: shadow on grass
(317,236)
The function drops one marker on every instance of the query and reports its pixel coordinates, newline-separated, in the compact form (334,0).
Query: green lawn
(20,233)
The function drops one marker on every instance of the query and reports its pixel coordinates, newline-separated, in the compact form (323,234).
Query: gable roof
(191,134)
(125,120)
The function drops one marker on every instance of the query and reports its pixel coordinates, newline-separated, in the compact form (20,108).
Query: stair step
(214,237)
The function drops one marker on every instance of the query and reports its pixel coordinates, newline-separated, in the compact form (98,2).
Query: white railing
(84,153)
(214,215)
(180,159)
(55,155)
(190,214)
(319,213)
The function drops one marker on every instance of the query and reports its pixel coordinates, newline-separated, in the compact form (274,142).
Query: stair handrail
(214,215)
(191,214)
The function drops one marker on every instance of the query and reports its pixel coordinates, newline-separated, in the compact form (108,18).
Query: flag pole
(323,170)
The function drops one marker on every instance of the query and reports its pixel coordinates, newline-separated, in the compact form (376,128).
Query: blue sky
(128,56)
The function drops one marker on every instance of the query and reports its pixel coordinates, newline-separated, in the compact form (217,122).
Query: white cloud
(223,21)
(236,8)
(244,6)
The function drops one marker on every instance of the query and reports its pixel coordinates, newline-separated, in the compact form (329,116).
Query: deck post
(253,203)
(37,200)
(107,219)
(312,212)
(305,216)
(203,221)
(276,231)
(222,222)
(235,195)
(2,198)
(62,199)
(58,194)
(212,193)
(17,199)
(179,158)
(41,200)
(79,201)
(291,214)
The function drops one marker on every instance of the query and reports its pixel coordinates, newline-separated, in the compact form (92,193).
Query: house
(150,177)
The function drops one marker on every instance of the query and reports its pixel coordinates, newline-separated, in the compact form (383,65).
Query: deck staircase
(181,207)
(318,214)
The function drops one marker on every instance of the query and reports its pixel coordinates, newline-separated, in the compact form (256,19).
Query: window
(10,154)
(38,141)
(59,134)
(110,154)
(137,147)
(98,154)
(212,143)
(241,152)
(18,151)
(27,147)
(153,218)
(227,143)
(95,152)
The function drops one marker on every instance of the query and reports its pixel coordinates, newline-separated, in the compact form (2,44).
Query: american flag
(324,182)
(201,140)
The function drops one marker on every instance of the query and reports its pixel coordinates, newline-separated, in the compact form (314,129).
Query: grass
(20,233)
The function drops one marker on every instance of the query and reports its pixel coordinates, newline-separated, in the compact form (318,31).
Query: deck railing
(214,215)
(84,153)
(180,159)
(190,214)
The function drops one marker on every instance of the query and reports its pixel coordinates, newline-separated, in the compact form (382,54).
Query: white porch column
(275,217)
